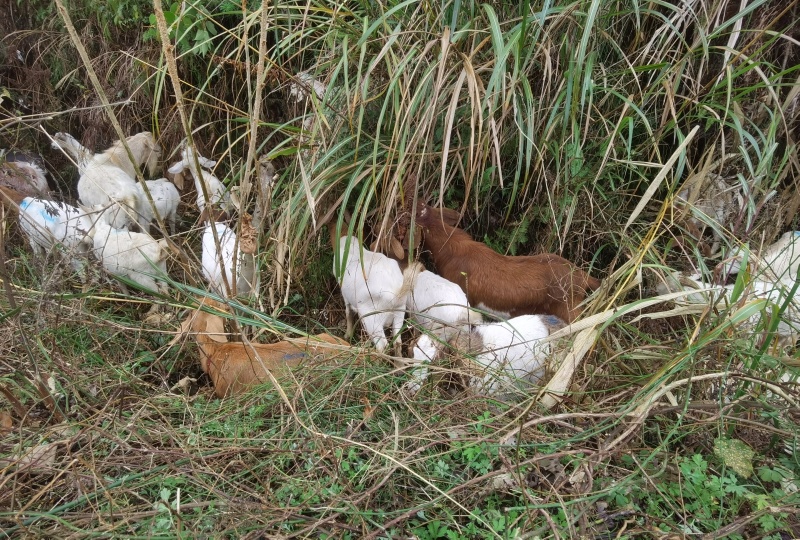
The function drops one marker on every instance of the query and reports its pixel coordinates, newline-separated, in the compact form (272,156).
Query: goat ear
(397,249)
(215,327)
(152,143)
(177,168)
(177,179)
(449,216)
(205,162)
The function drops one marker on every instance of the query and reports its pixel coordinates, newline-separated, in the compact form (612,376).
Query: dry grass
(569,130)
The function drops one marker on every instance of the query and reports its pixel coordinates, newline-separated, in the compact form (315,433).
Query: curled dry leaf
(248,236)
(38,459)
(183,384)
(156,319)
(6,422)
(503,482)
(369,409)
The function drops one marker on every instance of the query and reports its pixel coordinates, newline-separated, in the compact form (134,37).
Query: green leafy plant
(190,25)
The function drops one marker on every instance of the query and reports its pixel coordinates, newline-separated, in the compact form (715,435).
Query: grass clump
(569,127)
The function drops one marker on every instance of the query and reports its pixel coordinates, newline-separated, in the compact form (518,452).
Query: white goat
(709,202)
(164,193)
(54,225)
(301,88)
(217,194)
(774,292)
(110,177)
(304,81)
(374,287)
(779,261)
(497,356)
(136,256)
(68,144)
(217,264)
(165,198)
(439,305)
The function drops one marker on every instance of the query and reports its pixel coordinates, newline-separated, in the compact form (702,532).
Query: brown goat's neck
(8,194)
(442,239)
(334,237)
(208,349)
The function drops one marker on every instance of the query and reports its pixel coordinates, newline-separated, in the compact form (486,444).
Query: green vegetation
(565,126)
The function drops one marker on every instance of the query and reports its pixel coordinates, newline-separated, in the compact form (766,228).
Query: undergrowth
(567,127)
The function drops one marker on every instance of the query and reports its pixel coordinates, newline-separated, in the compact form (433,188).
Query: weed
(565,126)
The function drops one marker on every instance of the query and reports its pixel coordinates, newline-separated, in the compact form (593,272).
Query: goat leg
(350,316)
(397,327)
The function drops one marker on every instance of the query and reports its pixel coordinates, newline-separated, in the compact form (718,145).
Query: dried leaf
(16,404)
(369,409)
(183,384)
(789,361)
(49,398)
(6,422)
(504,482)
(736,455)
(248,236)
(38,459)
(580,480)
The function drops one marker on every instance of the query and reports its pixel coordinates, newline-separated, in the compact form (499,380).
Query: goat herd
(532,295)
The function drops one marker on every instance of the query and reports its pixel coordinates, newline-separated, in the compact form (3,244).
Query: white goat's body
(711,204)
(779,261)
(774,292)
(216,264)
(507,353)
(782,258)
(165,198)
(439,305)
(217,194)
(49,224)
(304,84)
(375,288)
(144,149)
(110,177)
(104,184)
(137,256)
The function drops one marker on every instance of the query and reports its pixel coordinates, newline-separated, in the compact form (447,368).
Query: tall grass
(553,126)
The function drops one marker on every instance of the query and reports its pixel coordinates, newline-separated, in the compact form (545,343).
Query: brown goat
(234,367)
(511,286)
(11,199)
(26,178)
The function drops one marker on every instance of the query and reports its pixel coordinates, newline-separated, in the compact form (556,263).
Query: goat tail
(409,277)
(590,283)
(164,244)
